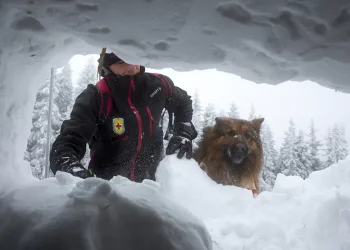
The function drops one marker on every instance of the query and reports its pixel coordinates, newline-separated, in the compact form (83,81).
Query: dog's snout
(241,148)
(238,152)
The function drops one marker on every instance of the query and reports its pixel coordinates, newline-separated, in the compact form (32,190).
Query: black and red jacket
(130,140)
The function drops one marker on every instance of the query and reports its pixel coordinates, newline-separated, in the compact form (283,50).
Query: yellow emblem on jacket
(118,126)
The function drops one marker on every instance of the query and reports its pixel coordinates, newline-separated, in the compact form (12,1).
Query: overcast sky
(301,101)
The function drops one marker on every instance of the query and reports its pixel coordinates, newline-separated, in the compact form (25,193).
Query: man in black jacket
(120,119)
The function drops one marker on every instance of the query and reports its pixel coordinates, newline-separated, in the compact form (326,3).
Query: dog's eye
(247,135)
(219,133)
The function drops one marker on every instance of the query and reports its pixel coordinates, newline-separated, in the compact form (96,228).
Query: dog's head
(239,139)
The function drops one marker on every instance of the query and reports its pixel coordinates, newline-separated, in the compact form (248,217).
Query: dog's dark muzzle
(237,152)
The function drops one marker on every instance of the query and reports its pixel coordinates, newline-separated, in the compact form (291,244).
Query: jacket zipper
(150,121)
(139,123)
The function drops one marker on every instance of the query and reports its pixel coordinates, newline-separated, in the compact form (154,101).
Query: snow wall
(68,213)
(263,41)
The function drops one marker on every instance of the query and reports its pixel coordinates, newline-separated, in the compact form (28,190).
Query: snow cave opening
(234,97)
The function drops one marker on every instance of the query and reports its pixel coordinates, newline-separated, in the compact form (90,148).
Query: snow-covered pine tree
(313,145)
(86,76)
(330,150)
(252,114)
(287,162)
(336,145)
(37,141)
(304,158)
(222,113)
(64,96)
(209,116)
(270,157)
(343,144)
(233,111)
(197,114)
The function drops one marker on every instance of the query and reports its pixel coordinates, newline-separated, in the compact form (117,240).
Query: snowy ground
(297,214)
(312,214)
(67,213)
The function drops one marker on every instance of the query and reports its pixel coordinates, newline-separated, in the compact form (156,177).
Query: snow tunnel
(262,41)
(265,42)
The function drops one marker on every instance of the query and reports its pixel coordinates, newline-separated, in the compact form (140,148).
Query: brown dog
(230,152)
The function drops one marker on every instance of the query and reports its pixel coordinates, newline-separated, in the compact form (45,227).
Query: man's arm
(180,103)
(70,145)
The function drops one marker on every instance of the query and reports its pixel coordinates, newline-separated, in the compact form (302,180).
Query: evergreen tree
(233,111)
(270,157)
(336,145)
(313,146)
(37,141)
(263,185)
(222,113)
(288,164)
(197,114)
(330,149)
(209,116)
(64,96)
(295,157)
(343,144)
(252,114)
(86,76)
(304,157)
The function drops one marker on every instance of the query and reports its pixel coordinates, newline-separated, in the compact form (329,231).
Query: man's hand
(182,144)
(78,171)
(182,140)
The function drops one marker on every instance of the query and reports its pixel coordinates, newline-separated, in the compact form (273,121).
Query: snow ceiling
(266,41)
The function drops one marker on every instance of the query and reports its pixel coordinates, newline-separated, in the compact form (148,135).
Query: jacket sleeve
(180,103)
(70,145)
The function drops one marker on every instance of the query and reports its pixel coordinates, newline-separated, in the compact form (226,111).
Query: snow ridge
(68,213)
(297,214)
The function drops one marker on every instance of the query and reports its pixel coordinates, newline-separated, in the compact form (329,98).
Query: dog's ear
(256,123)
(205,130)
(219,125)
(219,120)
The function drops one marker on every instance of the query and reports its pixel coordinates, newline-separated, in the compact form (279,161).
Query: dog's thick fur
(216,161)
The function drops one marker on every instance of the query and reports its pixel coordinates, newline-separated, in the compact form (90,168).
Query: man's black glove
(77,170)
(184,133)
(183,144)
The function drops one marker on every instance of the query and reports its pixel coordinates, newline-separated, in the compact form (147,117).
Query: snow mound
(298,214)
(68,213)
(183,209)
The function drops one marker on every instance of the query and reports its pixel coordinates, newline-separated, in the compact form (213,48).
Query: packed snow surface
(311,214)
(263,41)
(67,213)
(178,211)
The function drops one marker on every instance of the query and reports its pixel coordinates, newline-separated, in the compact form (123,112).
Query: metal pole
(48,145)
(100,63)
